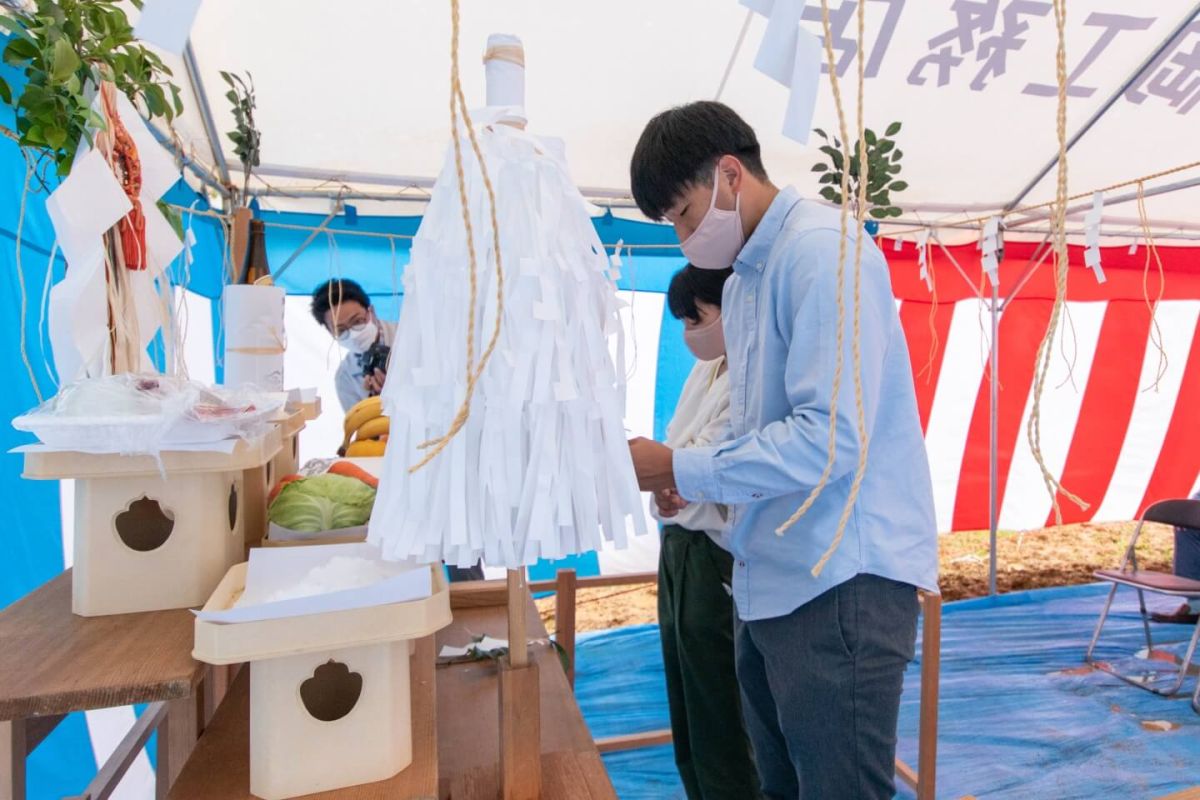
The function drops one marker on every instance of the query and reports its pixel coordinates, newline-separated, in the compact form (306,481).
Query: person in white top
(344,309)
(695,604)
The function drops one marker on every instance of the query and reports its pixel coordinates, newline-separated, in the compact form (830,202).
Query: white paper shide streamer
(923,257)
(541,468)
(991,246)
(1091,229)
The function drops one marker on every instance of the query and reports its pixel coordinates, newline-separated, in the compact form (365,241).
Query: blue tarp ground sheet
(1018,717)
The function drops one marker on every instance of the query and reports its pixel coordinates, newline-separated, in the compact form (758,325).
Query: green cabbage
(322,503)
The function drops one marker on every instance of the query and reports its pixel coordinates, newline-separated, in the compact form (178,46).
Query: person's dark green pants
(695,620)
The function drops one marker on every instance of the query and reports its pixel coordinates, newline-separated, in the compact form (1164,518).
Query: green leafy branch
(64,49)
(245,136)
(883,165)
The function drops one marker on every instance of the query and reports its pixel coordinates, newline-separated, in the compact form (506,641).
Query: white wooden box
(145,542)
(287,460)
(330,700)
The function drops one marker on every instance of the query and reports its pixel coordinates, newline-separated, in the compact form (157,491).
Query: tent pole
(199,170)
(311,237)
(1167,188)
(993,438)
(206,116)
(1109,103)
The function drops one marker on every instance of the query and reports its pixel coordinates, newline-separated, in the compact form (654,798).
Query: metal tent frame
(415,189)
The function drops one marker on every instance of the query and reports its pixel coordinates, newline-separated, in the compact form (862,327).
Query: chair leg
(1183,667)
(1181,676)
(1112,592)
(1145,622)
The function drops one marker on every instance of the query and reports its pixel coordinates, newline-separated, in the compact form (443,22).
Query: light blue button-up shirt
(779,313)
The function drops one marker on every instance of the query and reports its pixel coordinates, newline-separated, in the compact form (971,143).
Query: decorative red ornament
(131,230)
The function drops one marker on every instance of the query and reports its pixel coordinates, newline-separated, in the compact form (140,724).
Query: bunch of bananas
(366,429)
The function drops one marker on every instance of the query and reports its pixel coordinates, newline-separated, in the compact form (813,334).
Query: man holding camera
(344,309)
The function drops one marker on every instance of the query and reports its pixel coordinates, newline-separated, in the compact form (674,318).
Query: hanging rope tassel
(860,470)
(458,101)
(1059,240)
(1156,337)
(823,481)
(927,370)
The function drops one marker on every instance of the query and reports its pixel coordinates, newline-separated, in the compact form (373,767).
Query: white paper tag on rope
(802,95)
(923,257)
(88,202)
(79,319)
(1091,257)
(990,247)
(777,53)
(1091,222)
(1133,248)
(1092,218)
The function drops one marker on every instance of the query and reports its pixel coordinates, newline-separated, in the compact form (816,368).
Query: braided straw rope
(860,209)
(841,304)
(1152,251)
(835,84)
(1059,237)
(458,101)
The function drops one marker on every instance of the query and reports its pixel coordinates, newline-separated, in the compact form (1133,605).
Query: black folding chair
(1181,514)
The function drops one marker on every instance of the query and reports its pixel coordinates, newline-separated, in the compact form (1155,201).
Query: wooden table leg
(564,618)
(931,661)
(176,739)
(520,732)
(12,759)
(216,683)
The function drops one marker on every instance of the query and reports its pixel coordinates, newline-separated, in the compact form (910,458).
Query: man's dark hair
(680,146)
(338,290)
(691,284)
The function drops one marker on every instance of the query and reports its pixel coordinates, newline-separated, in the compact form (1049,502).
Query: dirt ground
(1027,560)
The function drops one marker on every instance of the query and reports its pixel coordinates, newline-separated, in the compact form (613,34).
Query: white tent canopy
(355,94)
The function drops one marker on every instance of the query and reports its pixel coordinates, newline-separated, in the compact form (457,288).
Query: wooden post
(520,732)
(518,647)
(564,618)
(520,704)
(931,657)
(255,488)
(13,750)
(176,738)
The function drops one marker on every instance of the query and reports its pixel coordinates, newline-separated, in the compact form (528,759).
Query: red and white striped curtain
(1120,425)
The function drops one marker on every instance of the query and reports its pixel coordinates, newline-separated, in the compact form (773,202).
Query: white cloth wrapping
(254,336)
(541,469)
(701,420)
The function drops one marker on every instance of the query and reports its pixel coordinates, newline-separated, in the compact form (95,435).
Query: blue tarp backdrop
(1018,718)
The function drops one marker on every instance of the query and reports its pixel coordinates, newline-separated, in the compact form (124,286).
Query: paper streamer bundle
(254,336)
(541,468)
(1091,224)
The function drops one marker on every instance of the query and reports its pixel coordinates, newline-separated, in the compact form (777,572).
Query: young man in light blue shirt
(820,659)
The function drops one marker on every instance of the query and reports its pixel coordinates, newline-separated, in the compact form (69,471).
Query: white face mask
(719,237)
(359,338)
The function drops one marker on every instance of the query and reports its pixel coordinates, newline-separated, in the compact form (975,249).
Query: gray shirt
(349,377)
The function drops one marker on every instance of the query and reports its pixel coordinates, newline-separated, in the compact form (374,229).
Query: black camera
(376,358)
